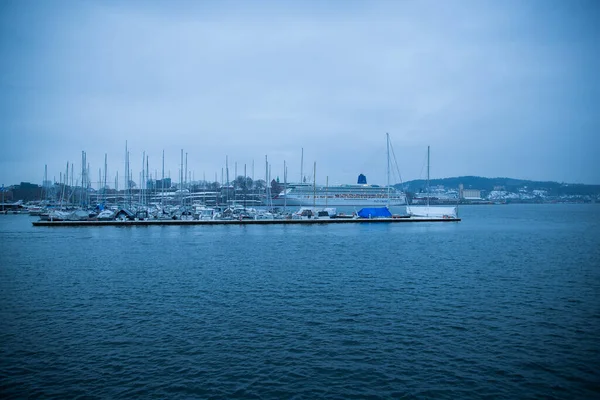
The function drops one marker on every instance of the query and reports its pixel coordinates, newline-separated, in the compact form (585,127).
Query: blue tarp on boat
(375,212)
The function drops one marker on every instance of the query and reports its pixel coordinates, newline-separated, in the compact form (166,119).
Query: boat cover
(374,212)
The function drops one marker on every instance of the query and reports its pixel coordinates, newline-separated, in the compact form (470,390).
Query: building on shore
(469,194)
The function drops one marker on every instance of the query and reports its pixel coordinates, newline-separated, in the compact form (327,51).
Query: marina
(310,221)
(266,204)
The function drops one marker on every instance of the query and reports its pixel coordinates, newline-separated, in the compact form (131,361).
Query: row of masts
(185,178)
(81,185)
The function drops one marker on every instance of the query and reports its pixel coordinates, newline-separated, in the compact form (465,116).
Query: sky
(496,88)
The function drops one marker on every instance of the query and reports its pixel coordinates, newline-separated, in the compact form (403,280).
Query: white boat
(428,211)
(432,211)
(359,195)
(263,215)
(106,215)
(316,213)
(205,213)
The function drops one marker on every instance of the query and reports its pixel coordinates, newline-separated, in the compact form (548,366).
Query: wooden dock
(245,222)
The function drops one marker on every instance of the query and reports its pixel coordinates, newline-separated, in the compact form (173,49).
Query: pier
(245,222)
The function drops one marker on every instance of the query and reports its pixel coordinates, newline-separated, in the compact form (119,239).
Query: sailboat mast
(314,186)
(186,181)
(105,169)
(142,177)
(427,176)
(326,190)
(148,177)
(388,168)
(302,166)
(267,192)
(162,184)
(284,187)
(181,180)
(227,176)
(126,187)
(82,178)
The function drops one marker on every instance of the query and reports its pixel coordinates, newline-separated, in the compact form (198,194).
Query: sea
(504,304)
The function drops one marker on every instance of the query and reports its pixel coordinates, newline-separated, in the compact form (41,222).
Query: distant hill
(509,184)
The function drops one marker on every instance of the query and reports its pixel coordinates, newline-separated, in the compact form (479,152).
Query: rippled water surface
(505,303)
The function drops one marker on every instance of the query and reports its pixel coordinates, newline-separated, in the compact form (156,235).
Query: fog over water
(496,88)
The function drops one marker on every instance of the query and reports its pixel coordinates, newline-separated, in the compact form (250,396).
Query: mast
(126,183)
(82,177)
(105,168)
(388,168)
(141,191)
(227,176)
(181,180)
(302,166)
(267,184)
(235,176)
(427,177)
(284,187)
(162,184)
(148,177)
(143,177)
(314,186)
(127,175)
(326,190)
(266,181)
(186,181)
(65,185)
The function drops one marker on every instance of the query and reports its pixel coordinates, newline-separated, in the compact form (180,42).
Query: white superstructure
(306,194)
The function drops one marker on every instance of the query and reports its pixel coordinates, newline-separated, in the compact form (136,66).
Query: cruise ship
(359,195)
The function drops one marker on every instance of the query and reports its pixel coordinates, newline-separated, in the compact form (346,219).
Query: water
(503,304)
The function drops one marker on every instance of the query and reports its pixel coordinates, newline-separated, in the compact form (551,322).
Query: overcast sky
(496,88)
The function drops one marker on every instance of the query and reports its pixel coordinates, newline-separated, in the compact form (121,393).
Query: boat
(205,213)
(445,212)
(106,215)
(316,213)
(356,195)
(427,211)
(374,212)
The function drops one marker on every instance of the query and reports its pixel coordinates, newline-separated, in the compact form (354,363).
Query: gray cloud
(496,88)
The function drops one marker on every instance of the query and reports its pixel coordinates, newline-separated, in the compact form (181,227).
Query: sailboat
(429,211)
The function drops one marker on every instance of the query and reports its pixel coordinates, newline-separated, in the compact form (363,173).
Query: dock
(244,222)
